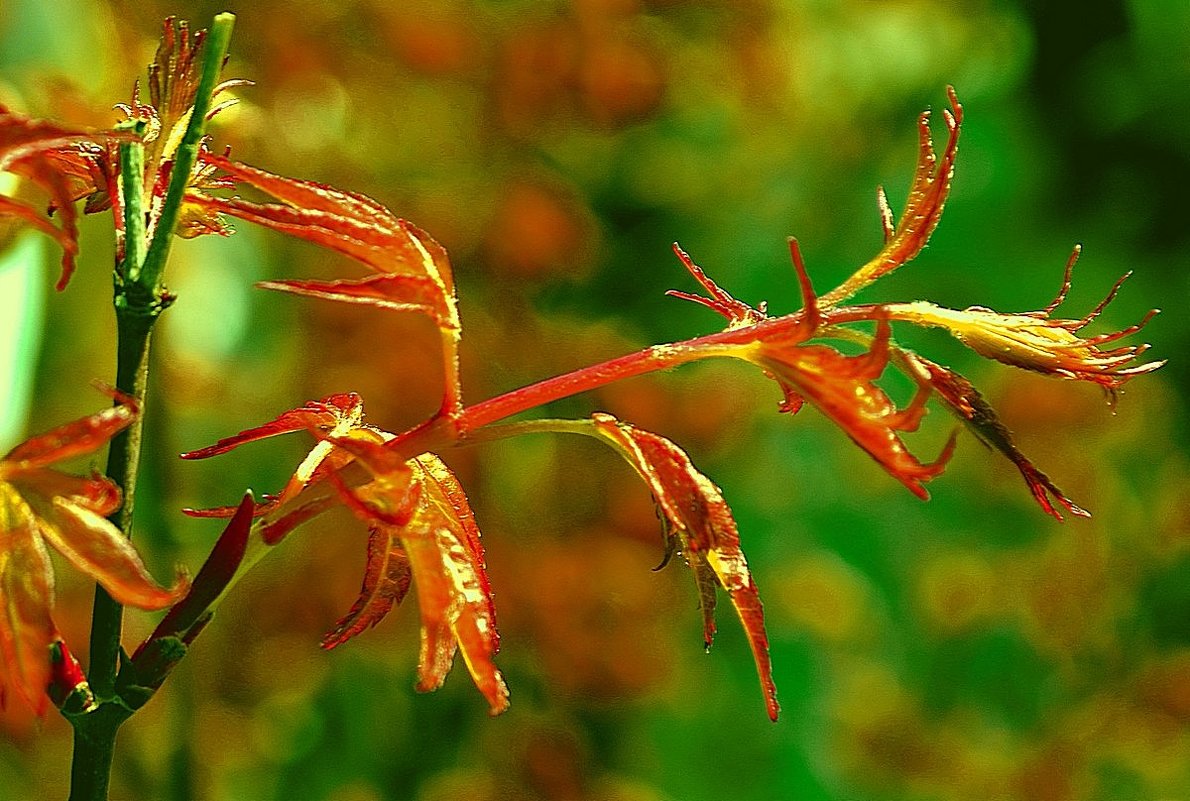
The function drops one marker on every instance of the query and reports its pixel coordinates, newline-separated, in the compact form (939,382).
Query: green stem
(132,372)
(139,300)
(95,739)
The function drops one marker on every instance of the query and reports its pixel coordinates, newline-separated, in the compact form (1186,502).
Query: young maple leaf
(74,163)
(336,415)
(699,524)
(965,401)
(421,531)
(412,271)
(841,387)
(27,146)
(41,507)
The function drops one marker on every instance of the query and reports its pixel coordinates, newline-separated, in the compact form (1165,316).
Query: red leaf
(333,415)
(353,224)
(24,147)
(40,506)
(386,581)
(96,547)
(326,413)
(456,610)
(695,511)
(718,299)
(364,230)
(842,388)
(22,136)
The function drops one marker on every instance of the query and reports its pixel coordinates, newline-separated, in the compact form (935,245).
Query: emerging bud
(1035,341)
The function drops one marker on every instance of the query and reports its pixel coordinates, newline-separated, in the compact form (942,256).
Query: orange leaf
(351,223)
(99,549)
(694,510)
(448,558)
(40,506)
(331,411)
(82,436)
(455,598)
(422,526)
(24,147)
(364,230)
(392,292)
(333,415)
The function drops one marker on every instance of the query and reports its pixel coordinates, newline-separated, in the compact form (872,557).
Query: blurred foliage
(969,648)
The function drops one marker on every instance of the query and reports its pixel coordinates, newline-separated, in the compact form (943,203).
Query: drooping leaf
(842,388)
(445,504)
(82,436)
(40,506)
(423,527)
(24,143)
(694,510)
(970,406)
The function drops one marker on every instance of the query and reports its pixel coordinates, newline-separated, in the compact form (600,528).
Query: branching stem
(139,300)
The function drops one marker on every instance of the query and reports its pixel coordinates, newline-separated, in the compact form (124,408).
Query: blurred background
(970,648)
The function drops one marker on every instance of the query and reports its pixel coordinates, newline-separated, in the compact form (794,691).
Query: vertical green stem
(139,300)
(122,463)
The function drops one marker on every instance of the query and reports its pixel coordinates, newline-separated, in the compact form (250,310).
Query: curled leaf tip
(717,299)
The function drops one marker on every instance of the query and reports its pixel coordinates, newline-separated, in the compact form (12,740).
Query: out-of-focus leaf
(40,506)
(26,597)
(99,549)
(23,145)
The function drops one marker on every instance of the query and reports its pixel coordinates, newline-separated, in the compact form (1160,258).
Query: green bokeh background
(968,648)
